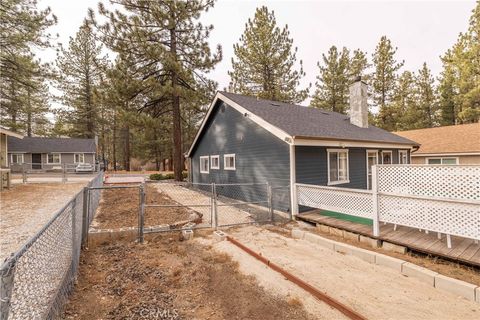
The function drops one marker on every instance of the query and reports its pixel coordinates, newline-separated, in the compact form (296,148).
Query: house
(4,165)
(246,139)
(458,144)
(50,153)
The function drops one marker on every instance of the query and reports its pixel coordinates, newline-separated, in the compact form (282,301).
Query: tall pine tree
(426,100)
(383,82)
(264,61)
(168,52)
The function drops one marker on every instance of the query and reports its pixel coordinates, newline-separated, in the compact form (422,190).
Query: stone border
(441,282)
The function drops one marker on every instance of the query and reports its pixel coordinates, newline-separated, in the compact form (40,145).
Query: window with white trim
(215,162)
(337,166)
(17,158)
(402,156)
(229,162)
(79,158)
(442,161)
(204,168)
(387,157)
(54,158)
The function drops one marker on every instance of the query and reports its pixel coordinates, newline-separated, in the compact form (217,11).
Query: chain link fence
(52,172)
(35,282)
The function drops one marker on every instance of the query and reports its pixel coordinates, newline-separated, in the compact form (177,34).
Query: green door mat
(346,217)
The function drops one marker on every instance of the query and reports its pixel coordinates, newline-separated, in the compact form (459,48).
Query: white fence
(443,199)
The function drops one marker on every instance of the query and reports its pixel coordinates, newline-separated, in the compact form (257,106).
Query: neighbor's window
(79,158)
(204,164)
(337,166)
(402,157)
(17,158)
(214,162)
(441,160)
(386,157)
(53,158)
(229,162)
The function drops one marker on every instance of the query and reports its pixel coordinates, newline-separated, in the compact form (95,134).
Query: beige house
(458,144)
(4,163)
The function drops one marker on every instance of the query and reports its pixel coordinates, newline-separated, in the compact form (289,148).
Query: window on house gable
(53,158)
(229,162)
(204,168)
(214,162)
(337,166)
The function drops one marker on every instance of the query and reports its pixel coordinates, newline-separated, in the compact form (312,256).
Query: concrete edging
(436,280)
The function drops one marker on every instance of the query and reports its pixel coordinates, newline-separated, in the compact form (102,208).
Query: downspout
(293,180)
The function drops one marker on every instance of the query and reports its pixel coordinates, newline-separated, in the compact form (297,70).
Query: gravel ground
(374,291)
(26,208)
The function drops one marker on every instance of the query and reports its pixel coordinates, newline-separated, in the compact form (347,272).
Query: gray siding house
(50,153)
(244,139)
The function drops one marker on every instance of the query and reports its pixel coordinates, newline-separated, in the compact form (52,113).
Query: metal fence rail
(35,282)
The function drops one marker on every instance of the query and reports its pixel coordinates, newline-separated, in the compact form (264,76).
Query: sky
(422,30)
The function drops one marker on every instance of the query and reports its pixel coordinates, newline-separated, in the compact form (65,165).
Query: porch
(463,250)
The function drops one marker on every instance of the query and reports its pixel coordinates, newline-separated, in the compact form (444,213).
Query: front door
(36,161)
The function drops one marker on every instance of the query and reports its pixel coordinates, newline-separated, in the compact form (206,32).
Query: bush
(166,176)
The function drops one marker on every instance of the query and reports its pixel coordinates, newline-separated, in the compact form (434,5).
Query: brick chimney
(358,103)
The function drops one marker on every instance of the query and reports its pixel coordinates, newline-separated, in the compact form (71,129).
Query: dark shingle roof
(45,145)
(306,122)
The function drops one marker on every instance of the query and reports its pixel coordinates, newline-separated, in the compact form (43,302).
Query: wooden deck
(463,250)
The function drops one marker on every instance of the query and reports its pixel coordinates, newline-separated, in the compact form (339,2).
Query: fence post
(376,222)
(6,286)
(270,202)
(86,195)
(141,212)
(64,173)
(214,205)
(24,174)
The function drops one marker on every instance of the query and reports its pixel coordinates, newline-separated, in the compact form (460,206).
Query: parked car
(84,167)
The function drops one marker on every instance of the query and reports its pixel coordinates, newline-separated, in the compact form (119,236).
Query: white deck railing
(443,199)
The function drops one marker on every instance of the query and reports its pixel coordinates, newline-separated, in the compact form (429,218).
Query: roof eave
(412,144)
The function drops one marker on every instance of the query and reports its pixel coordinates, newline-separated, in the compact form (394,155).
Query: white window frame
(400,156)
(441,161)
(391,156)
(75,156)
(229,155)
(371,173)
(330,183)
(208,164)
(59,158)
(17,154)
(217,157)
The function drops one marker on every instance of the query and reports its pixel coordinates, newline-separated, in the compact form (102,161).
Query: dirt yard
(374,291)
(119,208)
(169,279)
(25,208)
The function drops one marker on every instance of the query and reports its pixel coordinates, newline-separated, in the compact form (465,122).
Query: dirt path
(374,291)
(169,279)
(25,208)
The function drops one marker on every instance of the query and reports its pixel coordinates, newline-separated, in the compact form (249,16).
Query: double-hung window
(402,156)
(337,166)
(229,162)
(53,158)
(17,158)
(204,166)
(215,162)
(79,158)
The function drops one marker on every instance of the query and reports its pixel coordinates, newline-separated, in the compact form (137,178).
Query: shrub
(166,176)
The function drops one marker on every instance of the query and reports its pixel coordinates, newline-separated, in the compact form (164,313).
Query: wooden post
(270,202)
(86,195)
(376,222)
(215,213)
(293,180)
(141,213)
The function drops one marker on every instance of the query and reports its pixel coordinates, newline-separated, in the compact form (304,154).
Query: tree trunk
(177,130)
(114,140)
(126,158)
(29,114)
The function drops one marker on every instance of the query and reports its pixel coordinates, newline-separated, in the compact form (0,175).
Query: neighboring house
(244,139)
(4,163)
(458,144)
(41,153)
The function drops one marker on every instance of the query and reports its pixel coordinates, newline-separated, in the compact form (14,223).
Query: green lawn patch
(346,217)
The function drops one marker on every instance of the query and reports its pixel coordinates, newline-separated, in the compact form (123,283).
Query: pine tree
(264,62)
(403,102)
(383,82)
(425,98)
(446,89)
(333,82)
(168,52)
(81,67)
(358,65)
